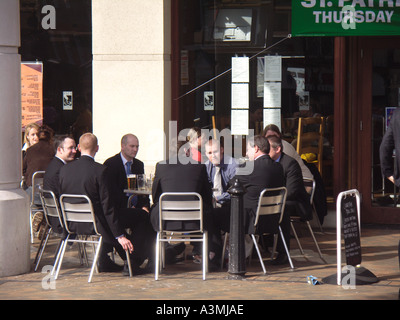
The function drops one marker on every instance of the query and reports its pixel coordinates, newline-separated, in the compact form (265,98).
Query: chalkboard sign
(351,230)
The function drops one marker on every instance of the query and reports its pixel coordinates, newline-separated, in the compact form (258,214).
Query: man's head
(88,144)
(65,148)
(129,146)
(214,151)
(257,147)
(272,130)
(276,147)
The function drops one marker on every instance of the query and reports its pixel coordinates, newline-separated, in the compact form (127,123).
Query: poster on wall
(209,100)
(31,93)
(240,122)
(67,100)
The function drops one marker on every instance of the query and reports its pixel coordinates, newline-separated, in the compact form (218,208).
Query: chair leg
(128,259)
(205,255)
(297,238)
(42,246)
(258,252)
(286,248)
(30,224)
(61,258)
(56,261)
(315,240)
(96,256)
(158,253)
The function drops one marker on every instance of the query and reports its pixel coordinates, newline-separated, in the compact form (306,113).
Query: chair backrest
(310,183)
(50,205)
(77,209)
(181,206)
(37,181)
(271,202)
(310,138)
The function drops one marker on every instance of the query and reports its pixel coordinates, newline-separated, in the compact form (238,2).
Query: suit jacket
(118,182)
(37,158)
(181,178)
(266,174)
(390,142)
(85,176)
(297,195)
(51,177)
(51,182)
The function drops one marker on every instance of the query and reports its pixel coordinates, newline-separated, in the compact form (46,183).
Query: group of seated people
(133,227)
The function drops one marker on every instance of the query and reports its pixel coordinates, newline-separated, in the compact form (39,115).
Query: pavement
(182,282)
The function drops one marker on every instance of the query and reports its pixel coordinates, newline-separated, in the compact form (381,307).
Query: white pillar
(131,75)
(14,203)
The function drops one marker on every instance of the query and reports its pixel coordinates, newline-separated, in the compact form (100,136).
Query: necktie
(128,165)
(217,183)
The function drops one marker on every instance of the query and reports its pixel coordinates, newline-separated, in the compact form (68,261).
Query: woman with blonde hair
(31,136)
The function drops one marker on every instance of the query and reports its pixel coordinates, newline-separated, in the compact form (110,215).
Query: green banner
(345,17)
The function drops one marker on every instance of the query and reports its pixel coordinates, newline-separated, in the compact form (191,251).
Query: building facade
(135,66)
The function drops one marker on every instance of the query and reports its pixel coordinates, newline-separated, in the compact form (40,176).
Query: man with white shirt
(221,168)
(121,164)
(65,148)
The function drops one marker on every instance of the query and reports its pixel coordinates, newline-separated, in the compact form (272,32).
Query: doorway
(378,94)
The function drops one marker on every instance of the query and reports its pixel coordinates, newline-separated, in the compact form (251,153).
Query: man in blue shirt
(221,168)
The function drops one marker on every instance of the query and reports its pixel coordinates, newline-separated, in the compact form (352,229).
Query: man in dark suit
(118,166)
(122,164)
(297,198)
(65,148)
(391,143)
(87,177)
(180,175)
(266,173)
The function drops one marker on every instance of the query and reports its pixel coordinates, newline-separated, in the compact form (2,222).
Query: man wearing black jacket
(297,198)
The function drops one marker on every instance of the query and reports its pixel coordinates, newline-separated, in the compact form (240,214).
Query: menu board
(31,93)
(351,231)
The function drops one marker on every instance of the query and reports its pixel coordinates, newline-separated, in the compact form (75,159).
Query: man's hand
(126,244)
(391,179)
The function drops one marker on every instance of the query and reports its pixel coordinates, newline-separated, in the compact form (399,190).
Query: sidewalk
(183,281)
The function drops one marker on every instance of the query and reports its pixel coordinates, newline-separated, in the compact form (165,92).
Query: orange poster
(31,93)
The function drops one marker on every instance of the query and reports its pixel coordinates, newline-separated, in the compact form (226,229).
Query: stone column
(132,75)
(14,203)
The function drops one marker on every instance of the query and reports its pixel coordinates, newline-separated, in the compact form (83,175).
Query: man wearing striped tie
(221,168)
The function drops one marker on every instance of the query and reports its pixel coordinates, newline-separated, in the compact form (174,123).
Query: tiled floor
(183,281)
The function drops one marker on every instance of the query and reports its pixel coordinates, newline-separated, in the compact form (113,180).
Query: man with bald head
(119,166)
(86,176)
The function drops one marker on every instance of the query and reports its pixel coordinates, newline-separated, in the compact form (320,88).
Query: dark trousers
(139,231)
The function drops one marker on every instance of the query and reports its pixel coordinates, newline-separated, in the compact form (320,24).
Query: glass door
(378,96)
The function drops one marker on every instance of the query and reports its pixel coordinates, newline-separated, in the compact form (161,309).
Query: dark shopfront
(65,50)
(350,81)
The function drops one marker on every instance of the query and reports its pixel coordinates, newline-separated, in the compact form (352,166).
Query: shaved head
(88,143)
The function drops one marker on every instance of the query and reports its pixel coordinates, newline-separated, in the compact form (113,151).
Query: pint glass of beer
(132,181)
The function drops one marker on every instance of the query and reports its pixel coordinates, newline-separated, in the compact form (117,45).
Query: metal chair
(180,206)
(271,203)
(52,214)
(297,219)
(81,211)
(311,184)
(37,181)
